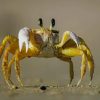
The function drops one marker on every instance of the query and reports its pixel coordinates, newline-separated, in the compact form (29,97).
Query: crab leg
(76,52)
(5,69)
(83,68)
(90,62)
(71,72)
(17,68)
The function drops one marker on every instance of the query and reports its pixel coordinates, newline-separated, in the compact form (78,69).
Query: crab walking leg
(91,67)
(5,69)
(71,52)
(83,68)
(1,50)
(9,71)
(17,69)
(71,72)
(90,61)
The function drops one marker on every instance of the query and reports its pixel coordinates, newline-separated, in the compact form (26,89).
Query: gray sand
(52,93)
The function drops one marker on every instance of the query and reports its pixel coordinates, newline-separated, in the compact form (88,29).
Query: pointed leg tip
(78,83)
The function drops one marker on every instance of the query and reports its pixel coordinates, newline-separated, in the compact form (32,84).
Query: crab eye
(40,22)
(53,22)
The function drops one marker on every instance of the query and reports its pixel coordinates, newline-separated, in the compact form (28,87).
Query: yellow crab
(44,42)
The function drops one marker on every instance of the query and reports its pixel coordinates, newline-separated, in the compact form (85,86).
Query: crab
(44,42)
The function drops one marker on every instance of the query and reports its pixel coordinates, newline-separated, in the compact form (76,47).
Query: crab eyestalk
(40,22)
(54,36)
(52,24)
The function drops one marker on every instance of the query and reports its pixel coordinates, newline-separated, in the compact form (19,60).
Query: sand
(53,92)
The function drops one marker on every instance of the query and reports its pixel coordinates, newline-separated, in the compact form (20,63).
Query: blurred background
(79,16)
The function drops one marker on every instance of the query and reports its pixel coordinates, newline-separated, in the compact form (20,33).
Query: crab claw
(65,38)
(75,38)
(23,37)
